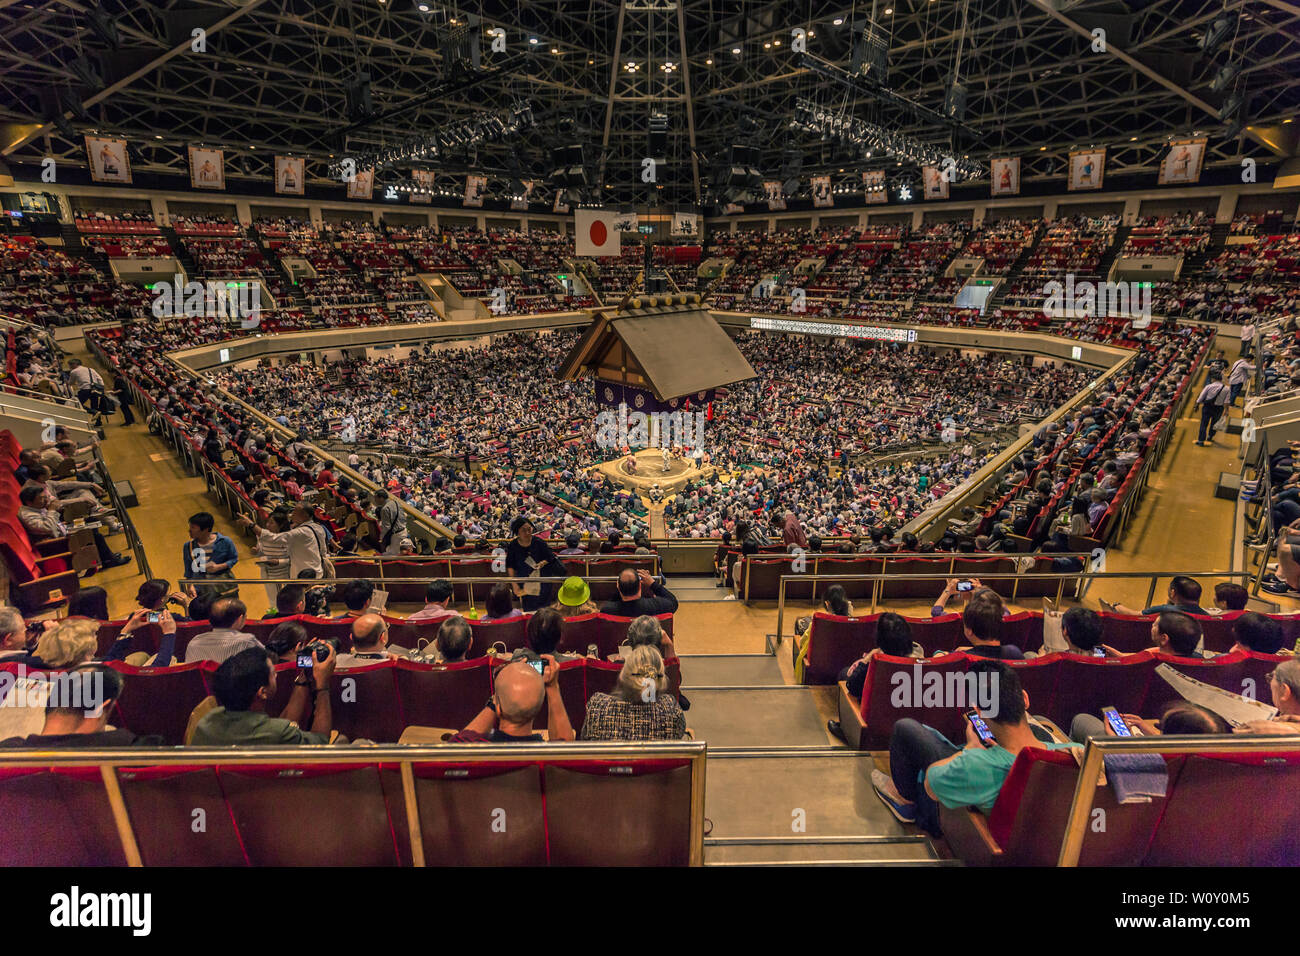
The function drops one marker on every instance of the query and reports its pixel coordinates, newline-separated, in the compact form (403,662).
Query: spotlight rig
(809,117)
(465,135)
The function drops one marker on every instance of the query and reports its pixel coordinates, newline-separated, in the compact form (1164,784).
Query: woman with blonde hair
(641,707)
(72,641)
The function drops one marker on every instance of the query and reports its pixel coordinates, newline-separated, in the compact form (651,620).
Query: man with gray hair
(13,640)
(1284,685)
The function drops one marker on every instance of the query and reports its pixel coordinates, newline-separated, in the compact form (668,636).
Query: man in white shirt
(1237,378)
(89,385)
(303,543)
(1212,400)
(225,639)
(1247,338)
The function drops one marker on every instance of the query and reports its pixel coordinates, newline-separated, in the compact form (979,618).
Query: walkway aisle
(1180,524)
(168,495)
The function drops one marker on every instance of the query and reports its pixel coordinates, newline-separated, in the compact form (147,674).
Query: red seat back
(886,701)
(836,642)
(442,695)
(363,701)
(174,800)
(159,700)
(63,815)
(512,632)
(1085,685)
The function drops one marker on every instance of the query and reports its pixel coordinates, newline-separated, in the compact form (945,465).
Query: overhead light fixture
(767,46)
(776,43)
(1042,149)
(736,50)
(838,21)
(709,62)
(889,11)
(630,66)
(533,41)
(424,8)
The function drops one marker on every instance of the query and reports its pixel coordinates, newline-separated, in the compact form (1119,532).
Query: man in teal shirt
(926,770)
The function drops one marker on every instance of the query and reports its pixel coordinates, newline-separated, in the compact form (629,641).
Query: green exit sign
(647,230)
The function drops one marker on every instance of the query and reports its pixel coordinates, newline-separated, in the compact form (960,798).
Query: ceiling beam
(22,139)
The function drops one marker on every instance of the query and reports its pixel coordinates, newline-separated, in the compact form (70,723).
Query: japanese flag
(596,234)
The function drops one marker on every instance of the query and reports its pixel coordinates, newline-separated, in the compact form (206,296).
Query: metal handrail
(1085,788)
(1059,576)
(128,526)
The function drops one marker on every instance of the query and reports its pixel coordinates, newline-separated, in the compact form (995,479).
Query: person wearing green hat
(574,598)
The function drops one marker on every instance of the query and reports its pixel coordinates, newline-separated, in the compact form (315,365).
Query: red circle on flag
(599,234)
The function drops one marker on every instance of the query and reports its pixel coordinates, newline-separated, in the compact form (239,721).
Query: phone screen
(965,586)
(539,666)
(981,728)
(1116,722)
(154,617)
(305,660)
(1098,652)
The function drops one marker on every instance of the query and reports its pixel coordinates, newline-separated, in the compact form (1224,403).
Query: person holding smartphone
(927,771)
(955,587)
(126,642)
(519,694)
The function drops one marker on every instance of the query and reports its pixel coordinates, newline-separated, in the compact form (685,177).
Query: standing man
(89,385)
(1237,378)
(1247,338)
(1212,401)
(390,520)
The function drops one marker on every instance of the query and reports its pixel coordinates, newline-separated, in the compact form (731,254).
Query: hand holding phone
(1116,723)
(981,728)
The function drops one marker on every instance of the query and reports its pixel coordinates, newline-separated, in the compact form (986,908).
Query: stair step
(754,797)
(846,852)
(730,670)
(767,716)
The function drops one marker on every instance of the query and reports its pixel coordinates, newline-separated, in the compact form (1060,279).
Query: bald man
(369,642)
(519,695)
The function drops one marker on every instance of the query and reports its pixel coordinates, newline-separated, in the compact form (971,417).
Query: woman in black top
(528,557)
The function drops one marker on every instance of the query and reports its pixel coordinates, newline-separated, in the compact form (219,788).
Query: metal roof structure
(290,76)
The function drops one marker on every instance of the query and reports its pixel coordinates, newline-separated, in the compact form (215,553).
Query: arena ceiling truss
(281,76)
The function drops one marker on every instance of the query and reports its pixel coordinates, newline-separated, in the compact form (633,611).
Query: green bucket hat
(574,592)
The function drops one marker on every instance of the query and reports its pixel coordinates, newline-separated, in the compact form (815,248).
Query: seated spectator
(893,638)
(356,595)
(72,641)
(572,540)
(1184,595)
(437,598)
(1178,717)
(640,708)
(954,587)
(89,602)
(41,520)
(1081,629)
(369,642)
(156,594)
(836,602)
(1284,686)
(639,593)
(500,605)
(1258,633)
(545,628)
(519,693)
(291,600)
(14,640)
(1173,632)
(285,639)
(927,771)
(646,629)
(573,599)
(981,624)
(453,640)
(72,720)
(243,685)
(225,639)
(1230,597)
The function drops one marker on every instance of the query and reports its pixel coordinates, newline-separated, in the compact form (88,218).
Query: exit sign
(647,230)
